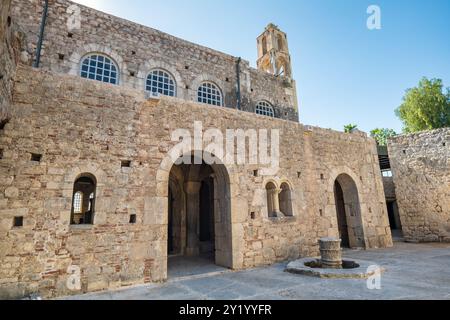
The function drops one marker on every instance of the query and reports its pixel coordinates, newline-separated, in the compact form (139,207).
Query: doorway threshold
(181,267)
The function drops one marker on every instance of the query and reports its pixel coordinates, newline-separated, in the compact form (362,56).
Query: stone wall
(138,49)
(421,169)
(389,188)
(80,126)
(7,61)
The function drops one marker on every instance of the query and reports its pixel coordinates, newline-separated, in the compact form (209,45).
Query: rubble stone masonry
(7,61)
(138,49)
(81,126)
(421,168)
(62,126)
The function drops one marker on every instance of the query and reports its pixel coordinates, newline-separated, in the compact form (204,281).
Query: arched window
(99,67)
(83,207)
(265,109)
(209,93)
(78,202)
(286,200)
(280,43)
(264,45)
(272,200)
(159,81)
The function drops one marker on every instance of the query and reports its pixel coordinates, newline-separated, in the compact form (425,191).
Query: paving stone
(396,284)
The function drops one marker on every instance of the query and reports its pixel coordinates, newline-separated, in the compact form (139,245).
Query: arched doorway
(348,212)
(199,217)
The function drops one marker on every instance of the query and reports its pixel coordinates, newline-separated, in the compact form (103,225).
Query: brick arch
(75,59)
(153,64)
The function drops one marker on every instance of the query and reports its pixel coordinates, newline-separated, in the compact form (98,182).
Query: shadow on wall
(6,62)
(12,47)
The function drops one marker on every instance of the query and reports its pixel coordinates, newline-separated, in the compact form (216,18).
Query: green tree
(425,107)
(382,135)
(350,128)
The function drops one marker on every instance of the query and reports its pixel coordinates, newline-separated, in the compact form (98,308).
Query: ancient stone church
(88,188)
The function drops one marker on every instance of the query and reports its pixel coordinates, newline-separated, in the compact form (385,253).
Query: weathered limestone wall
(389,188)
(64,133)
(334,153)
(138,49)
(7,61)
(421,168)
(81,126)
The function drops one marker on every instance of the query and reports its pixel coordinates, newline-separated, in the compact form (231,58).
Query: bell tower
(273,52)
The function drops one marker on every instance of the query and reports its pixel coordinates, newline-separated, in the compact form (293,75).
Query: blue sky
(345,73)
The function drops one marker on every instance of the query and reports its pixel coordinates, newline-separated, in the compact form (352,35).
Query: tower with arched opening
(273,52)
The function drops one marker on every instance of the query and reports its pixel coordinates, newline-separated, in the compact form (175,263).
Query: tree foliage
(382,135)
(425,107)
(350,128)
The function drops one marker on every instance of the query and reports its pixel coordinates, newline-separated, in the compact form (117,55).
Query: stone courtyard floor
(413,271)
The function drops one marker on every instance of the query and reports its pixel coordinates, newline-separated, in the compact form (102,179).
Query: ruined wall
(82,126)
(138,49)
(421,168)
(7,61)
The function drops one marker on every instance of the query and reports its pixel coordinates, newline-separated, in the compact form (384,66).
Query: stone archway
(199,212)
(348,211)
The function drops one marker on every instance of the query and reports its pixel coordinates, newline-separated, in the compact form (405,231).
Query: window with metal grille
(77,202)
(99,67)
(387,173)
(159,81)
(265,109)
(209,93)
